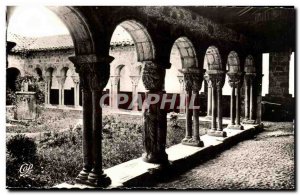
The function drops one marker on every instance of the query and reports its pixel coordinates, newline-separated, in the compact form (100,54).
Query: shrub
(22,148)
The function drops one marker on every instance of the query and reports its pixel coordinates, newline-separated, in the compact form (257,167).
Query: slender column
(95,70)
(76,90)
(209,101)
(114,91)
(251,101)
(246,99)
(63,91)
(182,95)
(232,105)
(214,108)
(216,78)
(135,82)
(259,99)
(238,105)
(155,117)
(59,79)
(87,133)
(220,106)
(49,91)
(189,112)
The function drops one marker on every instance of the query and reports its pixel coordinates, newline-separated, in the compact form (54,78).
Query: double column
(114,89)
(235,103)
(76,90)
(182,94)
(61,92)
(249,98)
(48,79)
(209,98)
(135,81)
(216,79)
(193,79)
(94,75)
(155,115)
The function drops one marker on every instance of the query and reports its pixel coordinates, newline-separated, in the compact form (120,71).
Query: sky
(39,21)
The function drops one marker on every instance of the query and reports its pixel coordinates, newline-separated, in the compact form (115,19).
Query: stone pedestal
(26,106)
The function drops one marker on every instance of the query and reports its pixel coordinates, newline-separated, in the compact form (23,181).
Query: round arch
(187,52)
(233,62)
(12,74)
(213,58)
(75,23)
(142,40)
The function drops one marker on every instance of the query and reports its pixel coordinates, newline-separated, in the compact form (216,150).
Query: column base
(217,133)
(82,177)
(193,142)
(98,180)
(235,127)
(249,121)
(156,158)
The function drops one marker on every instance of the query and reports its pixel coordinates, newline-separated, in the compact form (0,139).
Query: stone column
(209,98)
(182,95)
(155,117)
(217,79)
(61,82)
(76,90)
(48,79)
(247,98)
(235,107)
(193,78)
(249,78)
(135,81)
(114,91)
(259,99)
(94,75)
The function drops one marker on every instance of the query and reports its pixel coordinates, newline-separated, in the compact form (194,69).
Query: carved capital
(234,79)
(135,79)
(193,78)
(61,80)
(114,79)
(153,76)
(75,79)
(216,78)
(99,75)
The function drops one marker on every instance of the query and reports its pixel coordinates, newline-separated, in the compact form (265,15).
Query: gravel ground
(265,162)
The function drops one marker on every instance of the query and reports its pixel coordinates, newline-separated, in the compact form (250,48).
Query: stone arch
(233,62)
(118,69)
(38,73)
(12,74)
(63,71)
(187,52)
(142,40)
(76,24)
(213,58)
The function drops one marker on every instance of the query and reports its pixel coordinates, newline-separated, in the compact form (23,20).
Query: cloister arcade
(208,52)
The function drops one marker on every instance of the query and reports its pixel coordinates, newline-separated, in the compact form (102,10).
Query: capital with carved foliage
(153,76)
(216,78)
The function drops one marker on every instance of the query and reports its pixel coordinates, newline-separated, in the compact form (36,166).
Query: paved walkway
(265,162)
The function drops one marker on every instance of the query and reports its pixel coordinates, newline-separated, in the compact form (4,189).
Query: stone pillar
(155,117)
(235,79)
(135,81)
(48,80)
(114,91)
(259,98)
(61,81)
(216,79)
(76,90)
(94,75)
(249,79)
(182,95)
(193,78)
(247,99)
(209,98)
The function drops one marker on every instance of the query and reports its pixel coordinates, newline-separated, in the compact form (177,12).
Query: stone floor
(266,162)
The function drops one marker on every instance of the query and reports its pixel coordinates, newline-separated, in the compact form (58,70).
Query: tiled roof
(41,43)
(52,42)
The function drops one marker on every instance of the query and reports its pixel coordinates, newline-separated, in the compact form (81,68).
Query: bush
(22,148)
